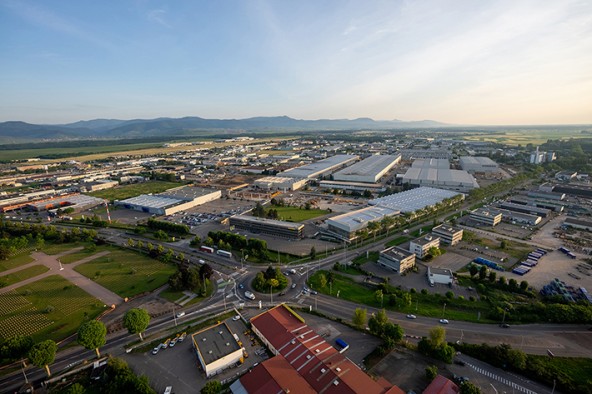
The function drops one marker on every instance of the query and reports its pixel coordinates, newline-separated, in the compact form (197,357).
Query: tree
(15,348)
(379,296)
(469,388)
(482,272)
(322,280)
(473,270)
(431,372)
(437,336)
(92,335)
(359,319)
(393,331)
(76,388)
(492,276)
(503,244)
(313,253)
(131,243)
(136,321)
(211,387)
(206,271)
(524,285)
(406,298)
(43,353)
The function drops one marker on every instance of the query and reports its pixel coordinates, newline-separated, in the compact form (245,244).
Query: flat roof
(414,199)
(276,179)
(491,212)
(431,163)
(445,229)
(440,271)
(152,201)
(426,239)
(188,193)
(479,160)
(371,166)
(509,205)
(75,199)
(215,342)
(445,175)
(397,252)
(313,169)
(279,223)
(355,220)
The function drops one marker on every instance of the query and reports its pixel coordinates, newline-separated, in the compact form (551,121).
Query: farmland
(127,273)
(51,308)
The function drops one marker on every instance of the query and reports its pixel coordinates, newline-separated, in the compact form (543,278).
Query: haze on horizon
(459,62)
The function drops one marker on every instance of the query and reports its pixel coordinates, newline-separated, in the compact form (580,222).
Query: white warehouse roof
(368,170)
(355,220)
(414,199)
(320,167)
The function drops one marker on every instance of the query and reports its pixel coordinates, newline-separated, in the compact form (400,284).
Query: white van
(180,314)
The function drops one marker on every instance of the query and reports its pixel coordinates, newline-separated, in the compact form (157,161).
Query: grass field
(525,136)
(21,275)
(295,214)
(127,191)
(174,295)
(16,261)
(127,273)
(51,308)
(81,254)
(53,249)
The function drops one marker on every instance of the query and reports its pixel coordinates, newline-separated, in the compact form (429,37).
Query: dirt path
(68,273)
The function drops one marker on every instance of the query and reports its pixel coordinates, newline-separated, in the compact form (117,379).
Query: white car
(443,321)
(155,350)
(237,317)
(411,317)
(249,295)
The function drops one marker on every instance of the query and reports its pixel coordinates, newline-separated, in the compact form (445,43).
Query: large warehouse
(279,183)
(267,226)
(78,202)
(171,201)
(319,168)
(414,199)
(216,349)
(347,224)
(369,170)
(478,164)
(448,179)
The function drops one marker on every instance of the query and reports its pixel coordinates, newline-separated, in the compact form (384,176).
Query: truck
(224,253)
(206,249)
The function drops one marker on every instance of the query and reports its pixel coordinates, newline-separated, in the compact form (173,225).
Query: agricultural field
(16,261)
(21,275)
(127,191)
(51,308)
(295,214)
(529,135)
(127,273)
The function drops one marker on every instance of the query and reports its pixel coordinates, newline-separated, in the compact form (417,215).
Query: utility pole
(174,316)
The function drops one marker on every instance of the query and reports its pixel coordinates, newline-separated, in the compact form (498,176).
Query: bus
(224,253)
(206,249)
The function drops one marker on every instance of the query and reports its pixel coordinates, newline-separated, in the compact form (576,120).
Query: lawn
(82,254)
(127,273)
(133,190)
(173,295)
(346,287)
(295,214)
(16,261)
(397,241)
(51,308)
(53,249)
(21,275)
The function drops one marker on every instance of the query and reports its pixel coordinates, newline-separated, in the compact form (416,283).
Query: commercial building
(397,259)
(171,201)
(78,202)
(216,349)
(304,362)
(441,385)
(478,164)
(347,224)
(320,168)
(489,217)
(267,226)
(369,170)
(542,212)
(578,223)
(442,164)
(421,246)
(356,186)
(448,234)
(515,217)
(279,183)
(440,275)
(448,179)
(415,199)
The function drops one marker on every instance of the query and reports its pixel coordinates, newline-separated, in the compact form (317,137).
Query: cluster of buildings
(437,173)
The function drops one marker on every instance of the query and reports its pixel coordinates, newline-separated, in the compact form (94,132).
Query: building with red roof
(441,385)
(304,361)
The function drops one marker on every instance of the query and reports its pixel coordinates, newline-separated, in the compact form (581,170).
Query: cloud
(158,16)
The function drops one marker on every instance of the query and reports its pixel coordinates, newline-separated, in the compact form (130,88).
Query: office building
(397,259)
(448,235)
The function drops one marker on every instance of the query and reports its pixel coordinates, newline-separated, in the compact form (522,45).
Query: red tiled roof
(273,376)
(441,385)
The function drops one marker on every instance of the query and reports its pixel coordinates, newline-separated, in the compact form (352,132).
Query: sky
(458,61)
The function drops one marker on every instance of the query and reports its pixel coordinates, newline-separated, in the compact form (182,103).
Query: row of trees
(253,246)
(169,227)
(435,345)
(192,278)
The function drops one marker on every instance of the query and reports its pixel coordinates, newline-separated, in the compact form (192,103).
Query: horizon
(499,63)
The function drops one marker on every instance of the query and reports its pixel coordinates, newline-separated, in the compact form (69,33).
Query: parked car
(443,321)
(293,285)
(235,318)
(411,317)
(156,349)
(460,362)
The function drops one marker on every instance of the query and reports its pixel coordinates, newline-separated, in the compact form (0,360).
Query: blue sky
(457,61)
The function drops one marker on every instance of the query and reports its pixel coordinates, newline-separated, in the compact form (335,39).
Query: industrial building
(171,201)
(415,199)
(397,259)
(578,223)
(573,190)
(357,186)
(79,202)
(448,234)
(542,212)
(440,275)
(267,226)
(516,217)
(279,183)
(442,164)
(546,195)
(217,349)
(411,154)
(489,217)
(369,170)
(97,185)
(555,207)
(347,224)
(421,246)
(443,178)
(303,362)
(474,164)
(320,168)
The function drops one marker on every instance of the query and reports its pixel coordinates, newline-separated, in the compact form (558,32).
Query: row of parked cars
(170,342)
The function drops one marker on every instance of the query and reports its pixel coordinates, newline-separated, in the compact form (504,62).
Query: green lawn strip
(50,308)
(53,249)
(577,369)
(347,288)
(397,241)
(127,273)
(16,261)
(295,214)
(82,254)
(127,191)
(21,275)
(174,295)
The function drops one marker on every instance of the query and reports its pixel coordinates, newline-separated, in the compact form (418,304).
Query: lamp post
(443,310)
(175,315)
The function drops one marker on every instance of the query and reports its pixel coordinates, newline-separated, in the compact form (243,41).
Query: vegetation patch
(16,261)
(21,275)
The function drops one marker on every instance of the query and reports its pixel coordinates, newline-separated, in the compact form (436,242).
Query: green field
(524,136)
(81,254)
(133,190)
(53,249)
(173,295)
(51,308)
(295,214)
(127,273)
(21,275)
(16,261)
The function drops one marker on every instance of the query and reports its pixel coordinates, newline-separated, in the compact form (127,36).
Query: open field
(51,308)
(295,214)
(16,261)
(127,191)
(53,249)
(81,254)
(127,273)
(534,136)
(21,275)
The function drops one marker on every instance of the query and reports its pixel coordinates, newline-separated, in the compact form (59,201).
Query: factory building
(356,186)
(217,349)
(345,226)
(397,259)
(369,170)
(448,234)
(489,217)
(528,209)
(474,164)
(267,226)
(437,173)
(577,223)
(415,199)
(79,202)
(320,168)
(171,201)
(441,164)
(515,217)
(421,246)
(279,183)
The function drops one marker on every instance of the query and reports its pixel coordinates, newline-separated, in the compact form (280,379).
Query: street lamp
(443,310)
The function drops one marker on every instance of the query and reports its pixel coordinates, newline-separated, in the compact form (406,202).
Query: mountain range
(16,131)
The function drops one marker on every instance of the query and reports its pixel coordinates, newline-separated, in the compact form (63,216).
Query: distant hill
(14,131)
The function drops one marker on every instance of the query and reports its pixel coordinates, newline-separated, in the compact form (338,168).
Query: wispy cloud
(158,16)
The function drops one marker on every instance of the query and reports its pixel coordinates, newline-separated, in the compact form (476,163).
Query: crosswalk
(503,380)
